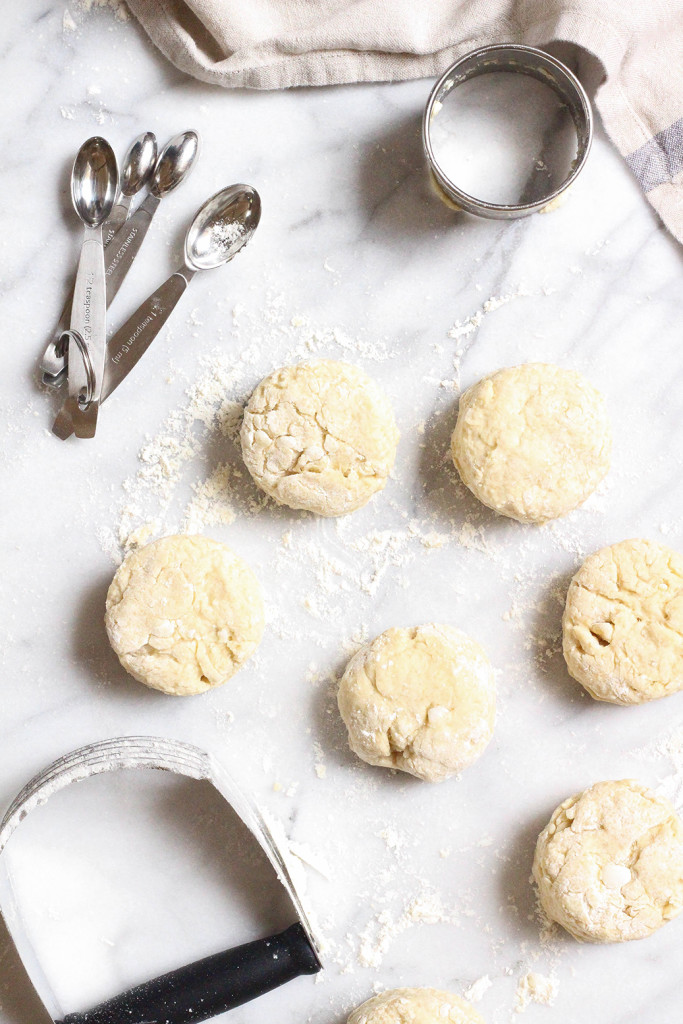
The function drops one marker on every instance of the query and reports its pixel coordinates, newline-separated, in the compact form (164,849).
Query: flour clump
(319,436)
(183,614)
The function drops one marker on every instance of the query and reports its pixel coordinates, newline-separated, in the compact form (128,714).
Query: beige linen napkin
(275,44)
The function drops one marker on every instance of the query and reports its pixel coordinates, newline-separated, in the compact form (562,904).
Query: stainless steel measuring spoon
(138,165)
(136,171)
(94,182)
(220,229)
(175,162)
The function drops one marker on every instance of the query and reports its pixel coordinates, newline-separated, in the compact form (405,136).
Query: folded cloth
(275,44)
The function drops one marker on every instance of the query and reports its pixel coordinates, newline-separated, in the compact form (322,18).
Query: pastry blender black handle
(210,986)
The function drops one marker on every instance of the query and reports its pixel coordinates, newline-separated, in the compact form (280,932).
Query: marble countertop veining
(411,884)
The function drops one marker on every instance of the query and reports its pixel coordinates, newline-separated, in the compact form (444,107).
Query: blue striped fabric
(660,159)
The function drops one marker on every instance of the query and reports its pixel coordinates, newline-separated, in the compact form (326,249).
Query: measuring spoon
(138,167)
(220,229)
(94,183)
(175,162)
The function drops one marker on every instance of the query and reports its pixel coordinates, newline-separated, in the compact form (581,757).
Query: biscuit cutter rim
(214,984)
(520,59)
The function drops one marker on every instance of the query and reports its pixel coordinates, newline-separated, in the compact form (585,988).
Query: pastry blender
(202,989)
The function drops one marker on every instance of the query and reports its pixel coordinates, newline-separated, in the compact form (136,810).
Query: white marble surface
(356,257)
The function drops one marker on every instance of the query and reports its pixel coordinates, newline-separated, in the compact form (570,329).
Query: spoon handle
(88,319)
(132,340)
(122,248)
(53,363)
(117,217)
(125,245)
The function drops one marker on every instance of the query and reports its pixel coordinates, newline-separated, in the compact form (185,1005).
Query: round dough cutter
(518,59)
(202,989)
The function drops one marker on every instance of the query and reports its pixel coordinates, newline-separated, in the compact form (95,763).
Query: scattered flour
(211,504)
(478,989)
(319,766)
(208,410)
(464,328)
(381,930)
(181,485)
(311,858)
(668,748)
(213,410)
(464,331)
(394,839)
(535,988)
(117,7)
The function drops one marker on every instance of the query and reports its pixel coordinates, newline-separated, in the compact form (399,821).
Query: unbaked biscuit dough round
(415,1006)
(622,628)
(532,441)
(609,865)
(420,699)
(319,436)
(183,614)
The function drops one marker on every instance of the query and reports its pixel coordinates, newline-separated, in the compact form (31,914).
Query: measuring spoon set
(78,358)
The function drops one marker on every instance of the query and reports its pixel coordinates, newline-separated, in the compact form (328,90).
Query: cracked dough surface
(609,865)
(420,699)
(183,614)
(532,441)
(415,1006)
(622,628)
(319,436)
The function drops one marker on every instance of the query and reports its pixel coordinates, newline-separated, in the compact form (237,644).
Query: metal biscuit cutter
(525,60)
(200,990)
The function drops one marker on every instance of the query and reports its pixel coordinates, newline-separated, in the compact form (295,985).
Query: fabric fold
(278,44)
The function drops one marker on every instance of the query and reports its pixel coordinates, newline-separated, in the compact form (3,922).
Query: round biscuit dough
(609,865)
(183,614)
(622,628)
(415,1006)
(532,441)
(420,699)
(319,436)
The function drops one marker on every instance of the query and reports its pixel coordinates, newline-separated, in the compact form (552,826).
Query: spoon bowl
(94,181)
(222,226)
(138,164)
(175,160)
